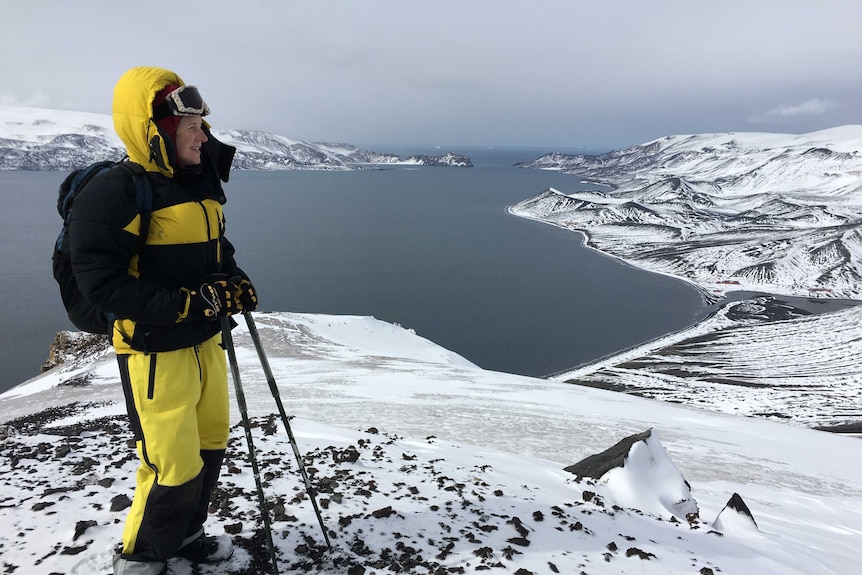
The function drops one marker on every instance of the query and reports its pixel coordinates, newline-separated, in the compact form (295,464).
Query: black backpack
(80,312)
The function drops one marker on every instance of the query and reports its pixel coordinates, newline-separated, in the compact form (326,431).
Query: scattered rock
(7,431)
(233,528)
(635,552)
(349,455)
(381,513)
(120,502)
(509,552)
(82,526)
(519,526)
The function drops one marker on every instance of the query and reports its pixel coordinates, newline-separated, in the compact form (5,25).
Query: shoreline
(753,356)
(711,294)
(740,358)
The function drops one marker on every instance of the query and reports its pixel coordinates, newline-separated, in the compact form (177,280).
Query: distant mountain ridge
(773,212)
(42,139)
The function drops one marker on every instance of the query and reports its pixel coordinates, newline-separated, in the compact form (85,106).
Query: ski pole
(227,340)
(264,362)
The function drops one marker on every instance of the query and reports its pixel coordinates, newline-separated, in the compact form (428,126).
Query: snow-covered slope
(41,139)
(427,464)
(773,212)
(266,151)
(756,357)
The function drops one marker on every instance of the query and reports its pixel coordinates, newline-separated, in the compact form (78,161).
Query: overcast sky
(559,74)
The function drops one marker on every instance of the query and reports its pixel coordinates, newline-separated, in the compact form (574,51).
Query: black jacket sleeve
(102,247)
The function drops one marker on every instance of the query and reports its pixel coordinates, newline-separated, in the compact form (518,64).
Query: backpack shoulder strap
(143,198)
(144,203)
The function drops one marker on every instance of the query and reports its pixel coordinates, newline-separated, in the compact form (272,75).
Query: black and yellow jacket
(147,292)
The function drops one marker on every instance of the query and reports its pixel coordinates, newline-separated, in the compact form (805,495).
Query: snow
(769,212)
(651,482)
(462,469)
(466,469)
(38,124)
(754,357)
(36,138)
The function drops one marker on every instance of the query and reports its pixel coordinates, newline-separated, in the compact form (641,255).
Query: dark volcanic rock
(735,506)
(120,502)
(595,466)
(81,527)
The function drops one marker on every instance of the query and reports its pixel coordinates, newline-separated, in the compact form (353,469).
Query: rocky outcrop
(736,517)
(639,474)
(597,465)
(75,347)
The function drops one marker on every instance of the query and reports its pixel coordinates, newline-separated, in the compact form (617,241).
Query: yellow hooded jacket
(147,292)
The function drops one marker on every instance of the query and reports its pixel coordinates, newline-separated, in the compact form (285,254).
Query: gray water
(429,248)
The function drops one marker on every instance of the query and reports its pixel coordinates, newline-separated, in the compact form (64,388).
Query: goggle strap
(163,110)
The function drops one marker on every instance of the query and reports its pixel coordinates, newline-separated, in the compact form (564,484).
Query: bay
(430,248)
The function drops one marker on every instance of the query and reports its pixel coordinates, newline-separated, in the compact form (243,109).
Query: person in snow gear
(166,297)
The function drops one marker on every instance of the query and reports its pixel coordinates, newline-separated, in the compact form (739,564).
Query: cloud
(812,107)
(35,100)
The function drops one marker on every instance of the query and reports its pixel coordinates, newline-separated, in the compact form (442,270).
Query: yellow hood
(133,117)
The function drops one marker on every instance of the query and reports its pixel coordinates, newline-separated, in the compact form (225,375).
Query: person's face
(190,136)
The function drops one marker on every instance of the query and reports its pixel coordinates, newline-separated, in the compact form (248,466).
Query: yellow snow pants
(178,407)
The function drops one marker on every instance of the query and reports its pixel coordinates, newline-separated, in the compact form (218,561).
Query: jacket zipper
(213,250)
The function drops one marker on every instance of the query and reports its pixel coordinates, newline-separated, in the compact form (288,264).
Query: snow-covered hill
(758,357)
(41,139)
(425,463)
(771,212)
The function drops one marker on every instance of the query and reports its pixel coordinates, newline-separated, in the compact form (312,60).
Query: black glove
(246,295)
(212,300)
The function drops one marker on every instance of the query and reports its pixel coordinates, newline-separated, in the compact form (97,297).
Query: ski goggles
(185,101)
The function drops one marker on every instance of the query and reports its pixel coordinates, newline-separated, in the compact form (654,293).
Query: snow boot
(207,549)
(126,567)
